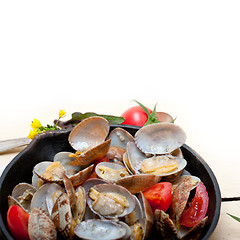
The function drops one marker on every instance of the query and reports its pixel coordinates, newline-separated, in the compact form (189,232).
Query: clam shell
(62,216)
(181,164)
(22,195)
(138,183)
(81,176)
(89,133)
(116,153)
(120,137)
(40,169)
(134,158)
(92,154)
(165,226)
(136,214)
(160,138)
(40,226)
(39,198)
(52,193)
(112,188)
(99,229)
(147,215)
(65,160)
(179,199)
(120,172)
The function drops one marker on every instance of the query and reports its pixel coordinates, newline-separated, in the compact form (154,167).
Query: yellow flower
(33,133)
(36,124)
(62,113)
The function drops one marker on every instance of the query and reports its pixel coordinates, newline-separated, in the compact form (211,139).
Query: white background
(100,55)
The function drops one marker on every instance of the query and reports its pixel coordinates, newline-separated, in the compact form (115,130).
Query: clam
(54,171)
(160,138)
(65,160)
(139,182)
(40,225)
(39,198)
(116,154)
(22,195)
(52,193)
(165,166)
(110,201)
(111,172)
(100,229)
(166,228)
(148,217)
(120,137)
(62,216)
(179,199)
(88,139)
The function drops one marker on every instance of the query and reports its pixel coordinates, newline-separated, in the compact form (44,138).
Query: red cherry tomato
(159,196)
(135,116)
(198,207)
(17,220)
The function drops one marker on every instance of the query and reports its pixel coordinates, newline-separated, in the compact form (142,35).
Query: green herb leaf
(77,116)
(234,217)
(152,118)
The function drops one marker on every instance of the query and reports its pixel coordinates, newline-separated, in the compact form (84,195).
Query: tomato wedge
(159,196)
(198,207)
(17,220)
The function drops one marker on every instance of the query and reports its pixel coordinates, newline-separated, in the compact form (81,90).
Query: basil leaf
(234,217)
(77,116)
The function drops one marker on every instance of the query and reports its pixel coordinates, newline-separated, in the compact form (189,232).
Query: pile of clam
(64,202)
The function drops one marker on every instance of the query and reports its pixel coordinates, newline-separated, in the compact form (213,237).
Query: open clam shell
(133,158)
(100,229)
(89,133)
(22,195)
(111,172)
(65,160)
(120,137)
(54,176)
(109,189)
(160,138)
(151,166)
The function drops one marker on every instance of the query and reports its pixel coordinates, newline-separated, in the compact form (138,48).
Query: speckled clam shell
(165,226)
(89,133)
(180,197)
(62,216)
(160,138)
(40,225)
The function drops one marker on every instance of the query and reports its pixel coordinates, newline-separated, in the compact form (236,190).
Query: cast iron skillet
(46,145)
